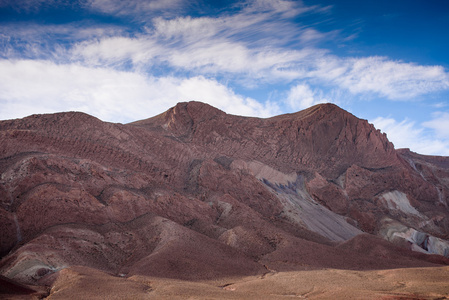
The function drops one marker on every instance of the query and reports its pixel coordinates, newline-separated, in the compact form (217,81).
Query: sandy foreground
(413,283)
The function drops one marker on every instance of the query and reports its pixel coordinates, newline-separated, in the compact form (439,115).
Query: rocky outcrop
(195,193)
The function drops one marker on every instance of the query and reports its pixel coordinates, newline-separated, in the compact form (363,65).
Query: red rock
(195,193)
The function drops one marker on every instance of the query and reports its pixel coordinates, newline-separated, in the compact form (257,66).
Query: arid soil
(198,202)
(406,283)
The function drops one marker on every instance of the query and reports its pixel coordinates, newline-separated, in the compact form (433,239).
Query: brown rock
(195,193)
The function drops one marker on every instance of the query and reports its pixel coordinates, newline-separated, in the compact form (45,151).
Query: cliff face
(196,193)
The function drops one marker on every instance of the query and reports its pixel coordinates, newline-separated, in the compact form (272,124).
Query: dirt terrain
(406,283)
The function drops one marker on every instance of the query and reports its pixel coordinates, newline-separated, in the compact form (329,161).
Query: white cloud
(189,29)
(244,42)
(49,41)
(212,45)
(134,8)
(42,86)
(301,97)
(406,134)
(247,45)
(139,8)
(71,31)
(440,105)
(440,124)
(30,6)
(116,51)
(392,79)
(220,96)
(30,86)
(282,7)
(203,45)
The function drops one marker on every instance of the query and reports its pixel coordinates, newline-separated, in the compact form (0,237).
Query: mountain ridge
(279,193)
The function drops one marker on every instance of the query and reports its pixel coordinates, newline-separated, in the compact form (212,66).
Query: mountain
(195,194)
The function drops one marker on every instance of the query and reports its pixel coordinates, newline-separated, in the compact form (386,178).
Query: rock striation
(195,193)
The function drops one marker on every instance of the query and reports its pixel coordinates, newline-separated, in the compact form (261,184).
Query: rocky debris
(418,241)
(195,193)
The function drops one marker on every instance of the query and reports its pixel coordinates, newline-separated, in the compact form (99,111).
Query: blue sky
(121,61)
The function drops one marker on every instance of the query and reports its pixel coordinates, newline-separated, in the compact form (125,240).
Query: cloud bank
(30,86)
(407,134)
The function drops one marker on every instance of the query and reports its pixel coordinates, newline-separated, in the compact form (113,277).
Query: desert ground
(407,283)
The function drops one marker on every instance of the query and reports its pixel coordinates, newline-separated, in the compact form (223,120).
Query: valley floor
(412,283)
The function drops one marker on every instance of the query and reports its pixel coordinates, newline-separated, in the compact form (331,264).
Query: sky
(122,61)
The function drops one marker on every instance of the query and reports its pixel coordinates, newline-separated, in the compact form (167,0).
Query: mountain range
(195,194)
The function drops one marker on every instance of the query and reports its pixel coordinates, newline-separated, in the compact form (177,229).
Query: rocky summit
(196,194)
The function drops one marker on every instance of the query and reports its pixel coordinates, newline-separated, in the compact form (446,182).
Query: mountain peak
(182,116)
(195,193)
(319,111)
(197,106)
(316,134)
(195,111)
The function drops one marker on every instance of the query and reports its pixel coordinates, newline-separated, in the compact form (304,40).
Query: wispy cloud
(212,45)
(33,6)
(204,45)
(440,124)
(407,134)
(248,45)
(53,42)
(277,7)
(116,51)
(137,9)
(392,79)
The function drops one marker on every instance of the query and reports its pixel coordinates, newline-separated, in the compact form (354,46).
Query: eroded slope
(195,193)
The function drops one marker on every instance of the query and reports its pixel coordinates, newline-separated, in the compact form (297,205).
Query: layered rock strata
(196,193)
